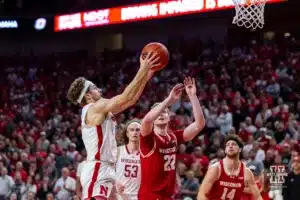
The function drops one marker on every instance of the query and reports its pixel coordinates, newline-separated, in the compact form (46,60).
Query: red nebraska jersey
(158,164)
(228,187)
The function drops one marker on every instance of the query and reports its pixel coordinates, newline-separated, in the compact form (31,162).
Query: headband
(87,84)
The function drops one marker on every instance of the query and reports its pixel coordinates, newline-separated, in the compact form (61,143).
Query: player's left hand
(190,86)
(176,93)
(150,62)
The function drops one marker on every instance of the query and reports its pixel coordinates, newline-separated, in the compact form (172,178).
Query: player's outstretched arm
(132,92)
(153,114)
(251,185)
(210,178)
(193,129)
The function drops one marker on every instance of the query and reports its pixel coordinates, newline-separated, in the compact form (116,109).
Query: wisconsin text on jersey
(229,184)
(125,160)
(169,150)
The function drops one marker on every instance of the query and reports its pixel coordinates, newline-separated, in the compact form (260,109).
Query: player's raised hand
(150,61)
(190,86)
(176,92)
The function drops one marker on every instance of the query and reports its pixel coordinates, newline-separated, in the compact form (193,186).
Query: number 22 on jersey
(170,161)
(228,195)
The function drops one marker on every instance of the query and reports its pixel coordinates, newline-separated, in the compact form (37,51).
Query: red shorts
(153,197)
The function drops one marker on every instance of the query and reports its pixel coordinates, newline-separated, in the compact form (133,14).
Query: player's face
(133,132)
(94,93)
(232,149)
(163,118)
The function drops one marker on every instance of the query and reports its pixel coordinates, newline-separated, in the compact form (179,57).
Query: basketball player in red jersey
(98,126)
(158,144)
(228,178)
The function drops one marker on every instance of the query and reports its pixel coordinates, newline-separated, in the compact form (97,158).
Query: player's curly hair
(125,138)
(236,138)
(75,90)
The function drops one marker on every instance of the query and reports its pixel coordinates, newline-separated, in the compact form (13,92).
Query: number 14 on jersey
(228,194)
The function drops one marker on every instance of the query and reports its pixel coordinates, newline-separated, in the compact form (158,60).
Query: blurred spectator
(224,120)
(19,187)
(6,184)
(13,196)
(291,187)
(50,196)
(211,119)
(19,168)
(184,157)
(250,128)
(190,185)
(62,160)
(30,190)
(44,188)
(258,152)
(65,186)
(42,142)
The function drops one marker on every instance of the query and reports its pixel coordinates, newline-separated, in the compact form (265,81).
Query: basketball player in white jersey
(128,168)
(98,128)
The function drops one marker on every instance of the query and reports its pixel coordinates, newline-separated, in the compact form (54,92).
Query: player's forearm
(258,197)
(193,129)
(153,114)
(133,91)
(197,112)
(142,87)
(255,192)
(247,190)
(201,196)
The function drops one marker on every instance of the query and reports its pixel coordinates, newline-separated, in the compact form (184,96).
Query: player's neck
(90,101)
(133,147)
(232,163)
(161,130)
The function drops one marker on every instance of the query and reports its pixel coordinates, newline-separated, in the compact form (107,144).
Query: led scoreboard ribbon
(139,12)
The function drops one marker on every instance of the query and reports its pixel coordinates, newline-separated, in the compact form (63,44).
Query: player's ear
(87,96)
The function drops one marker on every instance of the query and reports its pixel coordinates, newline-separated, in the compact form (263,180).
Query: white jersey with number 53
(128,172)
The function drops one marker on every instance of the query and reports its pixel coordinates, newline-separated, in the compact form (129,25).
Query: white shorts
(127,197)
(97,180)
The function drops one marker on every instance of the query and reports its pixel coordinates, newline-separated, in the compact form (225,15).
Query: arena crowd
(252,91)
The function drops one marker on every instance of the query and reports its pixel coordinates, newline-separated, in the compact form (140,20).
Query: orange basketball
(161,50)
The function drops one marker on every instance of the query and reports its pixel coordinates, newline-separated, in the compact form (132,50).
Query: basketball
(162,52)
